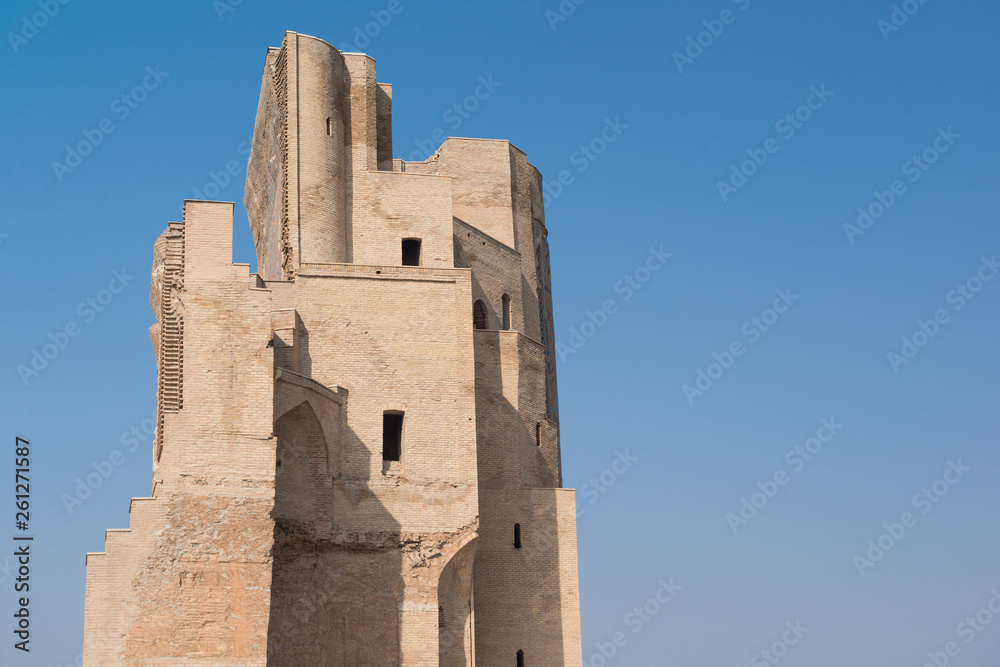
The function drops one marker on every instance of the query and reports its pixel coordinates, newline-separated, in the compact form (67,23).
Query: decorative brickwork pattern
(167,283)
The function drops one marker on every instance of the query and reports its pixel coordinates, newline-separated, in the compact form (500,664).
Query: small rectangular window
(411,252)
(392,436)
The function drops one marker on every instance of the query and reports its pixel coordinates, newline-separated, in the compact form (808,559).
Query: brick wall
(276,532)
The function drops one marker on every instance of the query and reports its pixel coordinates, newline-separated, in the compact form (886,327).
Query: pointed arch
(479,319)
(456,608)
(300,467)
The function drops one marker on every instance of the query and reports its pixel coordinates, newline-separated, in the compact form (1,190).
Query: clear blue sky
(889,95)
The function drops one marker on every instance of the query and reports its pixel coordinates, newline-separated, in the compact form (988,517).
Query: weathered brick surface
(276,533)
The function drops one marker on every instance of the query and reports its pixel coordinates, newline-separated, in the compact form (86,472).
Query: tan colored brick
(275,533)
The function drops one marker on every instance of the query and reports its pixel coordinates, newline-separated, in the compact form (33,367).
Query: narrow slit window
(440,617)
(329,127)
(520,659)
(506,312)
(392,436)
(479,315)
(411,252)
(517,536)
(538,433)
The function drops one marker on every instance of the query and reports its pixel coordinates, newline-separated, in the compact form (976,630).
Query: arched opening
(517,536)
(305,581)
(520,659)
(456,625)
(479,315)
(506,312)
(300,466)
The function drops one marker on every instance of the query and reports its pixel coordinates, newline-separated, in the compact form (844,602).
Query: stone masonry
(357,456)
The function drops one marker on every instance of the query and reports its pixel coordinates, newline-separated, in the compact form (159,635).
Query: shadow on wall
(335,593)
(518,585)
(350,587)
(455,610)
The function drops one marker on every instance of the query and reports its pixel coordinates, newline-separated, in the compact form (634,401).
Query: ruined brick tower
(357,456)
